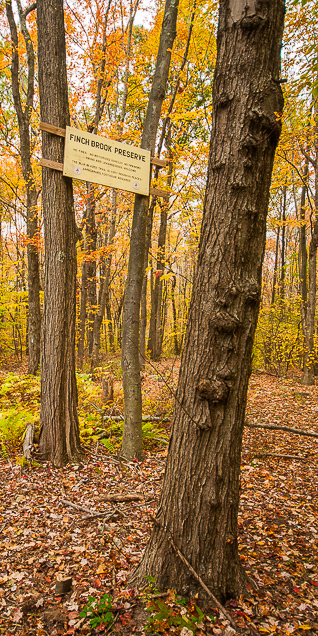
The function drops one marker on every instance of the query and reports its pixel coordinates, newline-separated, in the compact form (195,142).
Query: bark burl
(199,504)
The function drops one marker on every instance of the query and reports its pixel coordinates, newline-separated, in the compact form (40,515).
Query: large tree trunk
(132,442)
(59,439)
(199,503)
(24,116)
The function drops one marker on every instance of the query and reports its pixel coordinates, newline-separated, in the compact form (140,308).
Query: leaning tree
(198,510)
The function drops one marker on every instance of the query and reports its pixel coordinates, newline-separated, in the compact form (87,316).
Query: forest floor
(44,539)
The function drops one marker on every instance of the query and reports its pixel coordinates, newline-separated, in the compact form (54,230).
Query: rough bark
(199,503)
(24,116)
(59,438)
(132,442)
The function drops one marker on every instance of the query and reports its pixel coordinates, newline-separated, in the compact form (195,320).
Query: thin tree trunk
(143,302)
(143,310)
(132,441)
(155,335)
(275,266)
(59,438)
(24,116)
(283,266)
(91,246)
(104,285)
(309,358)
(198,510)
(174,313)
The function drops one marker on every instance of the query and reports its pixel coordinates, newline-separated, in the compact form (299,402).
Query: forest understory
(58,524)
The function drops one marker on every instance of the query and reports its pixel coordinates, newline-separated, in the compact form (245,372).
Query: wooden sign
(61,132)
(107,162)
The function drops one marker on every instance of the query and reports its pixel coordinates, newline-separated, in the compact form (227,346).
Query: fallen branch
(73,505)
(150,418)
(287,429)
(120,498)
(206,589)
(28,441)
(300,459)
(106,514)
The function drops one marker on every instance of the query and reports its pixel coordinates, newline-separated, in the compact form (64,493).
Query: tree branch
(287,429)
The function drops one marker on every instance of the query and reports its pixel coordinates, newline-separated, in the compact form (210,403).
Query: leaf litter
(97,543)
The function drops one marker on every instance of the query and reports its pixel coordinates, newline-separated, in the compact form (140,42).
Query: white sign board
(106,162)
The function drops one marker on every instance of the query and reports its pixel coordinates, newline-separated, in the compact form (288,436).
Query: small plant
(12,425)
(174,611)
(99,611)
(170,615)
(108,444)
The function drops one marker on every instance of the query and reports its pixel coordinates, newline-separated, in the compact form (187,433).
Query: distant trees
(23,98)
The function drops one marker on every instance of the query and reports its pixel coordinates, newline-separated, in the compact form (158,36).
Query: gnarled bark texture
(200,497)
(59,439)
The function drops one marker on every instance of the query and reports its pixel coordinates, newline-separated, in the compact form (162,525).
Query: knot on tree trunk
(215,390)
(251,290)
(222,320)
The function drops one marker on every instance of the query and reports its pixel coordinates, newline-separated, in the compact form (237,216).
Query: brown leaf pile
(44,539)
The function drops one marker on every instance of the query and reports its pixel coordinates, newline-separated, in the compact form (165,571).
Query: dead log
(28,446)
(287,429)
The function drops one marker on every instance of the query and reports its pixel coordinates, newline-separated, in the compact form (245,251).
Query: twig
(95,515)
(206,589)
(112,624)
(3,527)
(288,429)
(77,484)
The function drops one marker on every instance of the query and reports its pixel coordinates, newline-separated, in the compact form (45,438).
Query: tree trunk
(199,503)
(104,285)
(24,116)
(143,302)
(309,358)
(174,314)
(59,439)
(283,265)
(90,263)
(167,120)
(132,443)
(275,265)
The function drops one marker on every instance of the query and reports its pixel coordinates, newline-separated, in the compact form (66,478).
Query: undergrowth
(20,404)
